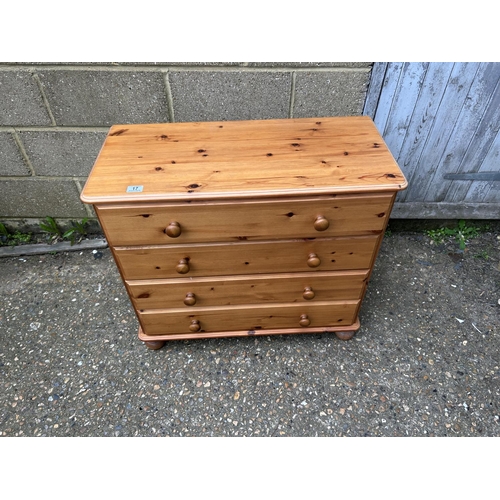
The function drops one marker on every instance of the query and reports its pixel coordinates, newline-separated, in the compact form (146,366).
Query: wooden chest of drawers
(244,228)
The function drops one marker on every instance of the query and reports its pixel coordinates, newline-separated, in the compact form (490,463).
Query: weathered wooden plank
(375,88)
(473,176)
(452,102)
(482,140)
(445,124)
(389,86)
(403,105)
(493,197)
(464,132)
(430,210)
(422,120)
(487,191)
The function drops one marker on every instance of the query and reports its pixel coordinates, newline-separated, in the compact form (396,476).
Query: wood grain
(244,333)
(249,317)
(145,224)
(245,228)
(242,159)
(247,289)
(440,119)
(154,262)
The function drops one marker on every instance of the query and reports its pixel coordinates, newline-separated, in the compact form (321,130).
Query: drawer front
(251,318)
(231,290)
(246,258)
(161,224)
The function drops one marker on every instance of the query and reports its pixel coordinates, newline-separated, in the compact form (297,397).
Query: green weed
(483,254)
(78,231)
(74,234)
(461,234)
(13,239)
(4,234)
(50,226)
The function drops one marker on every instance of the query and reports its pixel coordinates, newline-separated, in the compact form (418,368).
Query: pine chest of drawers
(242,228)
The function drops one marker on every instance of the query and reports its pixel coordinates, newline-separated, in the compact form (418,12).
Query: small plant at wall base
(50,226)
(4,235)
(74,234)
(77,232)
(462,233)
(13,239)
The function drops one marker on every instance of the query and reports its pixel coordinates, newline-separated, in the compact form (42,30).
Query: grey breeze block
(103,98)
(55,116)
(62,153)
(40,198)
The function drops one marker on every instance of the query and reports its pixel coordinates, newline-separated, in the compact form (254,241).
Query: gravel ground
(425,362)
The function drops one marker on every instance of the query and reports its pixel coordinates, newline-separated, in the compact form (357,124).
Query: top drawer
(197,222)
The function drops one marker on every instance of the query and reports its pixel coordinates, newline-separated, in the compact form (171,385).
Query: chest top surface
(241,160)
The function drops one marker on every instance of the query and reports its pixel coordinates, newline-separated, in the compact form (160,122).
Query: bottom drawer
(249,317)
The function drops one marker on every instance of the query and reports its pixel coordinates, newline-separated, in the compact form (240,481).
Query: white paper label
(134,189)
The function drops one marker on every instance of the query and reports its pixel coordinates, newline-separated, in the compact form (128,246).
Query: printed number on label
(134,189)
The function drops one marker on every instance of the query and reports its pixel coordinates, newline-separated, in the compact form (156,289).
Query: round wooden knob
(194,326)
(308,293)
(321,223)
(304,320)
(313,260)
(190,299)
(173,230)
(182,267)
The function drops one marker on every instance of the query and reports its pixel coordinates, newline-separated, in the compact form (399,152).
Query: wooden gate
(441,122)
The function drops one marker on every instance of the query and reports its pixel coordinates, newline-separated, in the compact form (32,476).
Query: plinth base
(155,342)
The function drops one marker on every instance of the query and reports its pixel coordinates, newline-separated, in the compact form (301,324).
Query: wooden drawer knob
(173,230)
(182,267)
(190,299)
(304,320)
(321,223)
(313,260)
(194,326)
(308,293)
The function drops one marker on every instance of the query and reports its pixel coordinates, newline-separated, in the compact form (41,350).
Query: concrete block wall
(54,117)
